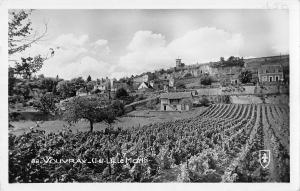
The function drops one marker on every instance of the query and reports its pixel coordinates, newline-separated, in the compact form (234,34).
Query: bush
(204,102)
(121,93)
(206,80)
(226,99)
(245,77)
(118,108)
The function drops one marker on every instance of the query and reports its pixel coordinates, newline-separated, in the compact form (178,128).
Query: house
(145,86)
(176,101)
(270,73)
(103,85)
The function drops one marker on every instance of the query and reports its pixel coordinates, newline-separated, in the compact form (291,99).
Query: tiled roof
(176,95)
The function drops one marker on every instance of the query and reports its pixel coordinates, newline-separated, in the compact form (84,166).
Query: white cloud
(100,42)
(146,40)
(70,40)
(149,51)
(74,56)
(206,44)
(100,47)
(85,67)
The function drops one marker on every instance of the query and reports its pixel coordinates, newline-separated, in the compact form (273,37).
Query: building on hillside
(176,101)
(103,84)
(145,86)
(229,75)
(179,64)
(270,73)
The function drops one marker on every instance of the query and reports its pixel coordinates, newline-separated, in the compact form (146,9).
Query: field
(220,144)
(135,118)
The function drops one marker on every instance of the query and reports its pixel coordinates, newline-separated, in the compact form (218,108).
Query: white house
(145,86)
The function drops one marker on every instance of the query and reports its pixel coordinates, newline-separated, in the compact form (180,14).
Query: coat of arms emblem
(264,158)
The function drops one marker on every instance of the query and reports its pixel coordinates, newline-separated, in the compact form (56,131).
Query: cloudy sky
(117,43)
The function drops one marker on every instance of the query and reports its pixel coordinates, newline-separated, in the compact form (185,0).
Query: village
(180,87)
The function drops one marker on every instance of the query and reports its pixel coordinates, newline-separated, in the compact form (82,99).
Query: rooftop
(175,95)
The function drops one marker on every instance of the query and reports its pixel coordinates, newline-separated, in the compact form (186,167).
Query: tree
(90,86)
(29,66)
(20,37)
(20,31)
(231,61)
(65,89)
(92,109)
(23,89)
(206,80)
(121,93)
(49,84)
(245,76)
(46,103)
(78,83)
(89,78)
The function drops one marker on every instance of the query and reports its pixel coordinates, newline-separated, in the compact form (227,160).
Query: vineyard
(220,145)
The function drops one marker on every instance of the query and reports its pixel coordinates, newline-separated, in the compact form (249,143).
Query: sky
(119,43)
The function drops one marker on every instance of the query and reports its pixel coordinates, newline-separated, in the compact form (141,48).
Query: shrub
(226,99)
(206,80)
(121,93)
(245,77)
(204,102)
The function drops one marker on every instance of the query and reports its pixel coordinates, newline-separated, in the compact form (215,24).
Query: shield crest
(264,158)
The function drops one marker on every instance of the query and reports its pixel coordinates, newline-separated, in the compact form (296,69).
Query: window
(270,78)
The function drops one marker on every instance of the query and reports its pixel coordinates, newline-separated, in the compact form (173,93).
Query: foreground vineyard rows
(220,145)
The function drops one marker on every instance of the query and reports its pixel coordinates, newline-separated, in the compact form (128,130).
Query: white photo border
(294,34)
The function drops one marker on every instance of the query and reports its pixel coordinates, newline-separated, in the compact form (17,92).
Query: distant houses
(176,101)
(264,70)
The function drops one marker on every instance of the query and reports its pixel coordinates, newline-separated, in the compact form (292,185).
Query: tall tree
(20,35)
(89,78)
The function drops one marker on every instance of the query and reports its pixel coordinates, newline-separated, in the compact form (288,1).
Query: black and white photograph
(150,95)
